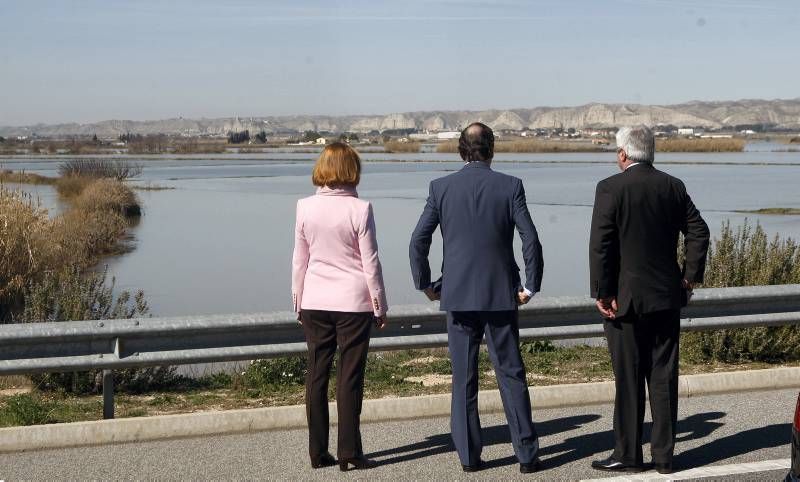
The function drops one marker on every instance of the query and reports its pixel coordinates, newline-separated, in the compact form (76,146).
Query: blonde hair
(338,165)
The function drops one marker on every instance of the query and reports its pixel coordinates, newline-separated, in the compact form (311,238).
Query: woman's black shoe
(324,460)
(358,463)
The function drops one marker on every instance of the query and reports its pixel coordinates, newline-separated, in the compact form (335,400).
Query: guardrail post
(108,394)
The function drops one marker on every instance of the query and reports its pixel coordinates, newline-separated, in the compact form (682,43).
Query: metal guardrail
(142,342)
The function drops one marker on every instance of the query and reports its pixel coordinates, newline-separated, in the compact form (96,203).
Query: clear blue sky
(91,60)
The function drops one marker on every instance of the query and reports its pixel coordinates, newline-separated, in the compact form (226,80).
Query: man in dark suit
(640,289)
(477,210)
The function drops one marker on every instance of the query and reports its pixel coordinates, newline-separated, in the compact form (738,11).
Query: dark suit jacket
(477,209)
(633,245)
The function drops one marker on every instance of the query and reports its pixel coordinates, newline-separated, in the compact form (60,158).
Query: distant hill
(776,113)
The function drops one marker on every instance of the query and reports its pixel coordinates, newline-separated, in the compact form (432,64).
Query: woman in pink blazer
(338,293)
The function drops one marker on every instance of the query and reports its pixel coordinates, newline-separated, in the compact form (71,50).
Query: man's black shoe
(611,465)
(531,467)
(474,467)
(663,468)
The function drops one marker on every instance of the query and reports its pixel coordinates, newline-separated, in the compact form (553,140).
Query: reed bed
(529,146)
(27,247)
(108,195)
(32,244)
(397,146)
(22,177)
(700,145)
(192,146)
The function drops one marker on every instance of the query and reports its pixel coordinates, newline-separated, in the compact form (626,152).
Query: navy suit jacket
(477,210)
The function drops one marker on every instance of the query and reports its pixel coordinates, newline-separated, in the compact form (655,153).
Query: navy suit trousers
(465,330)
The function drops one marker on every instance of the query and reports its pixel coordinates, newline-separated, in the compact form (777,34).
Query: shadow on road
(737,444)
(572,449)
(576,448)
(498,434)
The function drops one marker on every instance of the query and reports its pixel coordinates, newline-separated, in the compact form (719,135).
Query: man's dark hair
(476,143)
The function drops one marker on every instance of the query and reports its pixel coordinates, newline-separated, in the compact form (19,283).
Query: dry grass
(69,187)
(108,195)
(22,177)
(397,146)
(27,249)
(192,146)
(700,145)
(152,187)
(32,244)
(775,211)
(529,146)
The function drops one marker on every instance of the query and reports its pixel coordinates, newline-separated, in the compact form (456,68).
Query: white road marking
(707,471)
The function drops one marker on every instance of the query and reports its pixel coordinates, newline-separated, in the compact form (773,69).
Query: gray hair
(637,142)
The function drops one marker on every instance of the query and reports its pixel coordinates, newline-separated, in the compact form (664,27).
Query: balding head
(476,143)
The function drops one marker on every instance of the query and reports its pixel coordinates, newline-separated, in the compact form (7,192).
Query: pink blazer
(335,266)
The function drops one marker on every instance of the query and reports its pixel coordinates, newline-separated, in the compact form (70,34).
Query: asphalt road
(715,433)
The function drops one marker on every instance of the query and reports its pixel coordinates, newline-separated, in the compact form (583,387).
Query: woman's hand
(380,321)
(299,320)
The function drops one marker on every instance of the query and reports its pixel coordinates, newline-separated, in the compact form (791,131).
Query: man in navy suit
(477,210)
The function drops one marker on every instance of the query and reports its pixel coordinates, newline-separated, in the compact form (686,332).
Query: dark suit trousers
(465,329)
(644,350)
(325,330)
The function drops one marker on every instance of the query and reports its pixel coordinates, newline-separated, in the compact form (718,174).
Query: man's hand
(380,321)
(432,295)
(689,287)
(522,297)
(607,307)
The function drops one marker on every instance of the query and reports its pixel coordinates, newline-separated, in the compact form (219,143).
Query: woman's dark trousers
(324,331)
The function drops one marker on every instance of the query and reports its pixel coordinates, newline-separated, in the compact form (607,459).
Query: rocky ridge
(777,113)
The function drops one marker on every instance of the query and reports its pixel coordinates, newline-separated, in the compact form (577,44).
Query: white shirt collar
(634,164)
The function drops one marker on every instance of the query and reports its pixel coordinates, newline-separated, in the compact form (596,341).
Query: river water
(221,240)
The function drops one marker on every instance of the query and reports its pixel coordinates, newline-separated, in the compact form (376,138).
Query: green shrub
(275,372)
(745,257)
(73,295)
(25,409)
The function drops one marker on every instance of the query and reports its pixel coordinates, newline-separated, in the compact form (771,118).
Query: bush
(275,372)
(741,258)
(72,295)
(99,168)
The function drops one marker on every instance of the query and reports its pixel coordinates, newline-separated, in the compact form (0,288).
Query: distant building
(443,136)
(320,140)
(683,131)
